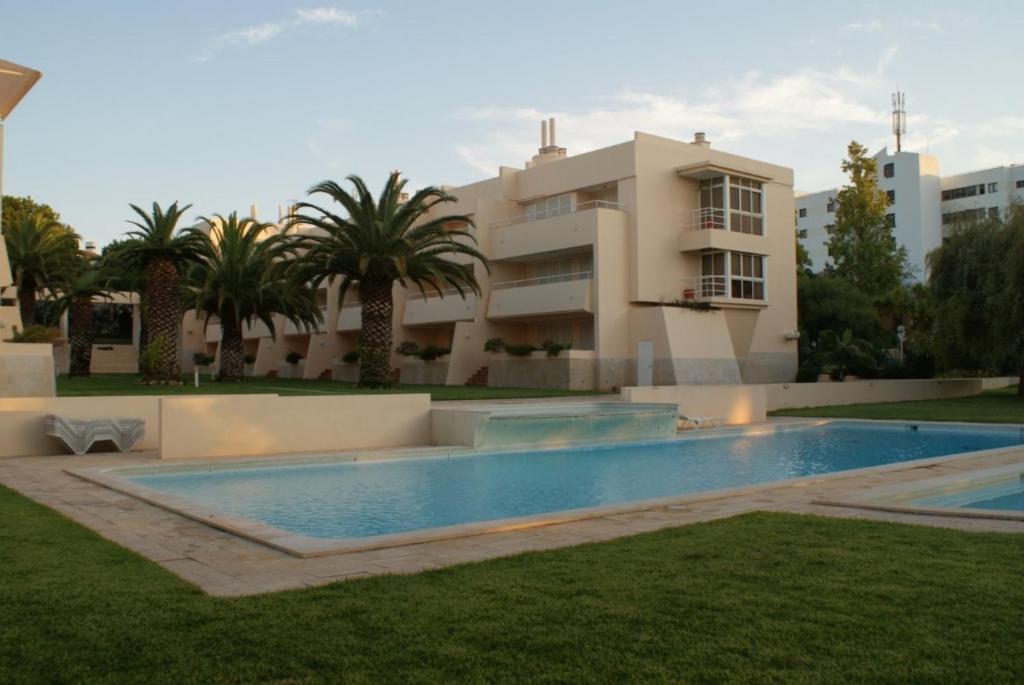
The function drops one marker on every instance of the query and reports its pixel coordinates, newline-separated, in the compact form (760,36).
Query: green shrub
(494,345)
(151,354)
(202,359)
(432,352)
(520,350)
(350,357)
(553,348)
(249,359)
(808,373)
(35,334)
(293,358)
(408,349)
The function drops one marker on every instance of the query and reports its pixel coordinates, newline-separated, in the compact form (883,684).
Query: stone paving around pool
(226,565)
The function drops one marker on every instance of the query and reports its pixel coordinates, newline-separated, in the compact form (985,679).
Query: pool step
(479,378)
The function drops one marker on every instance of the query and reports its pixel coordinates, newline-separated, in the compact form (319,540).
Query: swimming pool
(1003,493)
(365,499)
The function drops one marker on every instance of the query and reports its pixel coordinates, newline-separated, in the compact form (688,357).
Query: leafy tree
(83,282)
(378,242)
(127,275)
(829,303)
(162,252)
(15,209)
(861,243)
(243,275)
(804,265)
(847,353)
(39,249)
(977,285)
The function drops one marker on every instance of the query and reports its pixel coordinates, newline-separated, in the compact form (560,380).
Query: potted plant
(408,348)
(553,348)
(494,345)
(432,352)
(520,350)
(294,361)
(250,361)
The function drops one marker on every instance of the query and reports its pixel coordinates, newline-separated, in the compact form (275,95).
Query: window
(963,217)
(993,212)
(803,212)
(890,220)
(1020,183)
(579,334)
(889,170)
(549,206)
(830,207)
(802,234)
(712,274)
(747,276)
(556,268)
(745,210)
(891,194)
(965,191)
(993,187)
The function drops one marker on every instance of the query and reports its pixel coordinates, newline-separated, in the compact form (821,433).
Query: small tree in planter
(408,348)
(553,348)
(293,358)
(351,357)
(248,361)
(494,345)
(432,352)
(520,350)
(202,360)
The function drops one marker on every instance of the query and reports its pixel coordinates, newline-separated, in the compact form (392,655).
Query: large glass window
(549,206)
(745,206)
(713,274)
(747,276)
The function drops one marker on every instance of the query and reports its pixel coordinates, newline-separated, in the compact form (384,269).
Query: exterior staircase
(479,378)
(114,359)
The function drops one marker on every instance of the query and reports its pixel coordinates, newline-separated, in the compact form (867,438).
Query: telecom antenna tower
(899,118)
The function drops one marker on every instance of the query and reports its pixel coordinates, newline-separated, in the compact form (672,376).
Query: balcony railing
(559,211)
(706,218)
(700,288)
(543,280)
(447,292)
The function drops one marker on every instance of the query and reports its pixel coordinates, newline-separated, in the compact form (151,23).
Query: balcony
(562,294)
(213,332)
(715,290)
(542,232)
(350,318)
(707,229)
(447,306)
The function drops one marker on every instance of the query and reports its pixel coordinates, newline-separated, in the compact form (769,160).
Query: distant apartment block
(923,205)
(656,260)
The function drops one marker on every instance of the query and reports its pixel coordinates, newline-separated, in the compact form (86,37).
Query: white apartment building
(924,205)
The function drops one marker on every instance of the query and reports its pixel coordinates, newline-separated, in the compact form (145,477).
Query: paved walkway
(224,564)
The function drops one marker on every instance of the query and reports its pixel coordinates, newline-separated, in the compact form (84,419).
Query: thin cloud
(266,31)
(873,26)
(927,26)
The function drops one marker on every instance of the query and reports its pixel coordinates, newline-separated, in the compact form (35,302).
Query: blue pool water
(362,499)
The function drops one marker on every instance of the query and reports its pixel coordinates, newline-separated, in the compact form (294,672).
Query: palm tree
(85,281)
(39,248)
(162,254)
(377,243)
(245,274)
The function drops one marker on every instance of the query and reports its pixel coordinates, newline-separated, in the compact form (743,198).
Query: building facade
(923,204)
(653,260)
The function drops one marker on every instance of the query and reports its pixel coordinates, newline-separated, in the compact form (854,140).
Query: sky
(224,104)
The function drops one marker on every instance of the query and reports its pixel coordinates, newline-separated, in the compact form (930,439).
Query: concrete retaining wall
(245,425)
(737,404)
(799,395)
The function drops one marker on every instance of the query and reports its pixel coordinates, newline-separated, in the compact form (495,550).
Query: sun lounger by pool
(78,435)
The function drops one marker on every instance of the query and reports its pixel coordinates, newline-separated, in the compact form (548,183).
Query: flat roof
(15,81)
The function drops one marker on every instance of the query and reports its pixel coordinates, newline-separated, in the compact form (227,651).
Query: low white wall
(999,382)
(737,404)
(26,369)
(23,420)
(246,425)
(799,395)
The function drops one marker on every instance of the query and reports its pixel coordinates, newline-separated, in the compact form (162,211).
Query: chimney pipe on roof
(700,140)
(252,210)
(551,131)
(543,134)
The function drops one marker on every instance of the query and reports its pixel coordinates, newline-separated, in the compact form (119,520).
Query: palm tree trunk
(27,302)
(377,312)
(81,334)
(164,321)
(232,357)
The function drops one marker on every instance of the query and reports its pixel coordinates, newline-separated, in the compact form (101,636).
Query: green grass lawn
(764,597)
(126,384)
(992,406)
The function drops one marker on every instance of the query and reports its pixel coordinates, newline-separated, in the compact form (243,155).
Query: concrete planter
(419,372)
(248,369)
(571,369)
(348,373)
(286,370)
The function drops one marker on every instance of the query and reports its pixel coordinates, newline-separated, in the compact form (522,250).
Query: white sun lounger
(685,421)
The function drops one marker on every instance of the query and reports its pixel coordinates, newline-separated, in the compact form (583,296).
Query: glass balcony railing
(543,280)
(558,211)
